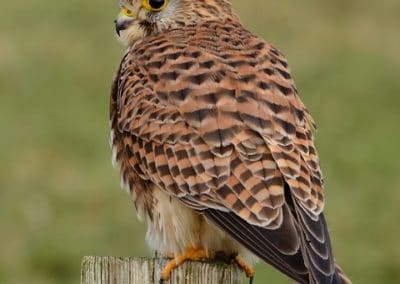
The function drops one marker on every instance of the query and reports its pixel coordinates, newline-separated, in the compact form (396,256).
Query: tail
(340,277)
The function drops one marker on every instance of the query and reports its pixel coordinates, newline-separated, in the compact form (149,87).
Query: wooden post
(125,270)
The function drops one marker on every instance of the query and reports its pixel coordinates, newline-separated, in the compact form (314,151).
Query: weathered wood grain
(126,270)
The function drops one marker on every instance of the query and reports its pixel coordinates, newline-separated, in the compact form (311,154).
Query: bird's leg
(245,267)
(194,254)
(168,255)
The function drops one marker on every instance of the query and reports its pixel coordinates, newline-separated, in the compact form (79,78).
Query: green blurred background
(59,196)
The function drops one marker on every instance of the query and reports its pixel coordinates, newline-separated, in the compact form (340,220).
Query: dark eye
(156,4)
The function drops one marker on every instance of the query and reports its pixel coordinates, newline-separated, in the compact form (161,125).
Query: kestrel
(214,144)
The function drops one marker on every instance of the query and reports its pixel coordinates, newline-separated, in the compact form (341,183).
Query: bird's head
(141,18)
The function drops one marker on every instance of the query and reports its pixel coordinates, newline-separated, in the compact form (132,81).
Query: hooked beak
(121,24)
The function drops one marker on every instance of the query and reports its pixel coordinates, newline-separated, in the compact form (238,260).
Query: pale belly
(174,227)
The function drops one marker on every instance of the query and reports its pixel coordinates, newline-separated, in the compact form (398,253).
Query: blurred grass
(60,198)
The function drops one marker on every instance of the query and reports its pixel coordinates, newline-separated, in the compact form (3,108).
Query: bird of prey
(214,144)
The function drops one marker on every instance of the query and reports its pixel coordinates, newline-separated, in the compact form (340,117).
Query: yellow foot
(168,255)
(193,254)
(245,267)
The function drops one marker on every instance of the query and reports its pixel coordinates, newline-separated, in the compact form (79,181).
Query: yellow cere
(127,12)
